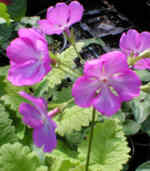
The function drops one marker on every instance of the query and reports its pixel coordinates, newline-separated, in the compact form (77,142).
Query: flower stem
(71,40)
(90,139)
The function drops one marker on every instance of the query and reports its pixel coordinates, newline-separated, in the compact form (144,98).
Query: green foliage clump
(16,157)
(110,151)
(109,147)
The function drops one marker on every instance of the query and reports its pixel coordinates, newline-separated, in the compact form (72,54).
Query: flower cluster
(106,82)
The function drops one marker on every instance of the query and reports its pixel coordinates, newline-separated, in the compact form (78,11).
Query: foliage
(109,142)
(7,129)
(17,9)
(73,118)
(16,157)
(141,107)
(144,166)
(4,14)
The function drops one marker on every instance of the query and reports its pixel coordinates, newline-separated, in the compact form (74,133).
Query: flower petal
(143,64)
(39,103)
(30,32)
(45,137)
(93,68)
(130,41)
(114,62)
(84,91)
(145,41)
(76,12)
(27,73)
(49,28)
(31,116)
(127,85)
(59,14)
(106,102)
(21,50)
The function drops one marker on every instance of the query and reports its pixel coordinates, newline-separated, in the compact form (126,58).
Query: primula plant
(57,115)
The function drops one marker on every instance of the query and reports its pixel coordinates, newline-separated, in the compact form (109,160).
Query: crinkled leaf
(7,130)
(141,107)
(16,157)
(73,118)
(3,13)
(144,166)
(109,147)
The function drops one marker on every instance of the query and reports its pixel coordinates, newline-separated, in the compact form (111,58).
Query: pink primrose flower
(106,83)
(61,17)
(29,58)
(35,115)
(133,43)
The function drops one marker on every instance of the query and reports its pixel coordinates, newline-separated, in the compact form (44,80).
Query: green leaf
(131,127)
(144,167)
(6,32)
(109,147)
(42,168)
(62,158)
(57,75)
(141,107)
(7,130)
(12,98)
(144,75)
(17,9)
(16,157)
(146,126)
(3,13)
(62,96)
(73,118)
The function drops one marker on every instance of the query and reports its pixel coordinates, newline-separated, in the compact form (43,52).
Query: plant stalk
(90,139)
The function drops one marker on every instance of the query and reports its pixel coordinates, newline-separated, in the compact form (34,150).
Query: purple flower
(29,58)
(133,43)
(35,115)
(106,83)
(61,17)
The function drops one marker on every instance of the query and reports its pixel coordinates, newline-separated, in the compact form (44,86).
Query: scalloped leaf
(108,143)
(73,118)
(16,157)
(7,130)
